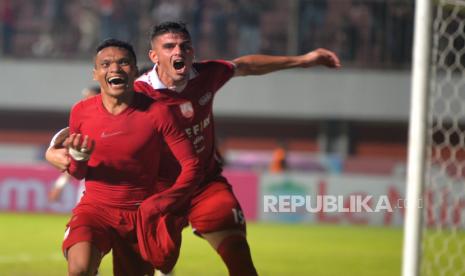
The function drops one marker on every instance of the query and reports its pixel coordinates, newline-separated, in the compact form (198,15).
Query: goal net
(442,246)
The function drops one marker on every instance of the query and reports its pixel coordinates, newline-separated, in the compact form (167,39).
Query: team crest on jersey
(187,109)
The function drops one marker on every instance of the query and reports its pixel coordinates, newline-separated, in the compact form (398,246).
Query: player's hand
(58,157)
(80,147)
(321,56)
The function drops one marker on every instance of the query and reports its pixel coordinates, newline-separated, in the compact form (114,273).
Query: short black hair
(175,27)
(112,42)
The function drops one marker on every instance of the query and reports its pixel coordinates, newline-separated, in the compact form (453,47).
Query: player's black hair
(175,27)
(112,42)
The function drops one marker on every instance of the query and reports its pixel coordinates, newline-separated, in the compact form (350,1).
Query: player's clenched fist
(80,147)
(321,56)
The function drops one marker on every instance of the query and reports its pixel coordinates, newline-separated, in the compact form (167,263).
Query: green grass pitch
(30,245)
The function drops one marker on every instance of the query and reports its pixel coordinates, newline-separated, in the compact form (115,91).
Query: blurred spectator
(360,21)
(106,11)
(127,18)
(248,22)
(119,19)
(56,10)
(197,11)
(378,31)
(7,20)
(363,32)
(279,160)
(400,31)
(28,27)
(335,28)
(88,26)
(312,14)
(69,40)
(222,13)
(90,91)
(167,10)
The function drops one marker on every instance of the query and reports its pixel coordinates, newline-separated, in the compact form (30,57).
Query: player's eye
(186,47)
(124,62)
(168,46)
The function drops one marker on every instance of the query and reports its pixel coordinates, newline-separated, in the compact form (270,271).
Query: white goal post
(434,237)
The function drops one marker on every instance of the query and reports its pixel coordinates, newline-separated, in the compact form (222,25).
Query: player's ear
(93,74)
(153,56)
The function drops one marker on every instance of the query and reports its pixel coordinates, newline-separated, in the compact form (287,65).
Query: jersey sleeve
(59,138)
(179,194)
(223,71)
(77,169)
(142,86)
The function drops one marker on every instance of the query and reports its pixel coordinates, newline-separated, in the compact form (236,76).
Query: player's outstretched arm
(263,64)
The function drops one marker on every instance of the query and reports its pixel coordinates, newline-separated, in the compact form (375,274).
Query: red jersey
(193,110)
(126,158)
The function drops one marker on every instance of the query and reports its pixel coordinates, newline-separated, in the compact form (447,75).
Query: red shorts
(215,208)
(99,225)
(104,227)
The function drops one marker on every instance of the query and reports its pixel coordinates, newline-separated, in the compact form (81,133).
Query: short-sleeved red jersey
(126,159)
(193,110)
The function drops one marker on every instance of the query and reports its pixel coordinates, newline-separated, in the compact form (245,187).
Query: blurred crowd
(368,33)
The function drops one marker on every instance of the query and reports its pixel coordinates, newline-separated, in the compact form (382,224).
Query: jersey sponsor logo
(199,145)
(109,134)
(195,133)
(197,129)
(205,98)
(187,109)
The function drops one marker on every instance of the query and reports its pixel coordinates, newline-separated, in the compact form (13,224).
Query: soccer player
(214,212)
(115,143)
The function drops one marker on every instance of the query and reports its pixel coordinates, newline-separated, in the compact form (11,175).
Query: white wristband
(78,155)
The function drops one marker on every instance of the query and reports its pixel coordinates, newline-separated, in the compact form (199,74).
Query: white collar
(156,83)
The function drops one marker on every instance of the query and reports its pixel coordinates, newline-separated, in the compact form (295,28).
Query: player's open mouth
(116,82)
(179,65)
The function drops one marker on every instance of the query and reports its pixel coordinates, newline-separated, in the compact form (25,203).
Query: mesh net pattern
(443,237)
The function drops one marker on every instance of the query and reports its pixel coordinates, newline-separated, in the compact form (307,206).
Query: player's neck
(178,87)
(171,84)
(117,104)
